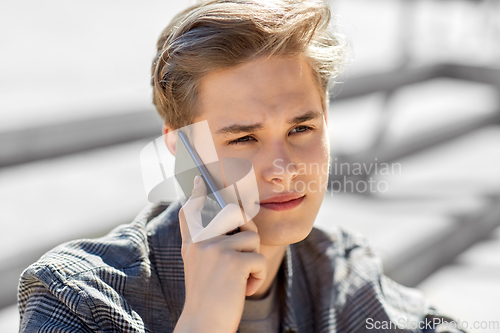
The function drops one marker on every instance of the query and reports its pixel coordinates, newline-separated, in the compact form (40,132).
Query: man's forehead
(263,77)
(245,98)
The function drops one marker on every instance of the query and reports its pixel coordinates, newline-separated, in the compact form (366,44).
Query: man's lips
(282,198)
(283,202)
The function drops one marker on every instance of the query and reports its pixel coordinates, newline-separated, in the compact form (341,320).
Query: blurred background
(414,124)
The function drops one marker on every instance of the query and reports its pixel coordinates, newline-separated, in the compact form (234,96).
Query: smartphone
(188,160)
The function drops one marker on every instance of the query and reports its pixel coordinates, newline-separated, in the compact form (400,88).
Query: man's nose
(281,168)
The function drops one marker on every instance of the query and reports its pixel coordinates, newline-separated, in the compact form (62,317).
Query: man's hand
(219,271)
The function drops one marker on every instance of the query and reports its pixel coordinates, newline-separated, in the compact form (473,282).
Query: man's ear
(169,137)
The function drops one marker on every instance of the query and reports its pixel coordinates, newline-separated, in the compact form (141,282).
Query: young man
(257,71)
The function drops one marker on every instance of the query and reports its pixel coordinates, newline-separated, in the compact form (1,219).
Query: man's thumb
(192,209)
(199,191)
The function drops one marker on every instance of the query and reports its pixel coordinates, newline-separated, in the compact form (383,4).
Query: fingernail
(197,180)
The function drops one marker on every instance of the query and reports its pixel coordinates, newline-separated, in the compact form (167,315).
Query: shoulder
(85,276)
(357,283)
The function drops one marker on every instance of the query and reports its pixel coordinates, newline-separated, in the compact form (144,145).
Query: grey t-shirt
(261,315)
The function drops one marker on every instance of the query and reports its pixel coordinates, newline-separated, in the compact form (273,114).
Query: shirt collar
(289,318)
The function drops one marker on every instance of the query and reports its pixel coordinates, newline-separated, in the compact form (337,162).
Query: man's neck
(274,257)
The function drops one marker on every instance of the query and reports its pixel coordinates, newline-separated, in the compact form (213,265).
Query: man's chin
(273,241)
(282,234)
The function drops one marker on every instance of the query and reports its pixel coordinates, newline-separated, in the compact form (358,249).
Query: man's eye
(248,138)
(300,129)
(241,140)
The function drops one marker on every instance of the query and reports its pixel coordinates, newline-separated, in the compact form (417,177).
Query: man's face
(269,112)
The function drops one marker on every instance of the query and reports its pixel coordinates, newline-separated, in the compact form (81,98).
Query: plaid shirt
(132,280)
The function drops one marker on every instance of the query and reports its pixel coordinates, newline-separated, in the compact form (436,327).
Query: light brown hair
(221,34)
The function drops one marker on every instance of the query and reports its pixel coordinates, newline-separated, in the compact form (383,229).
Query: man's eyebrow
(310,115)
(240,129)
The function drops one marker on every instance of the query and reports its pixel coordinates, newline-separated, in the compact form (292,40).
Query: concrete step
(51,201)
(9,319)
(409,117)
(436,204)
(468,289)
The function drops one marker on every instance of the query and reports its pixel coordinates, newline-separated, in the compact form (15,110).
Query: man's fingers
(185,234)
(244,241)
(253,285)
(256,265)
